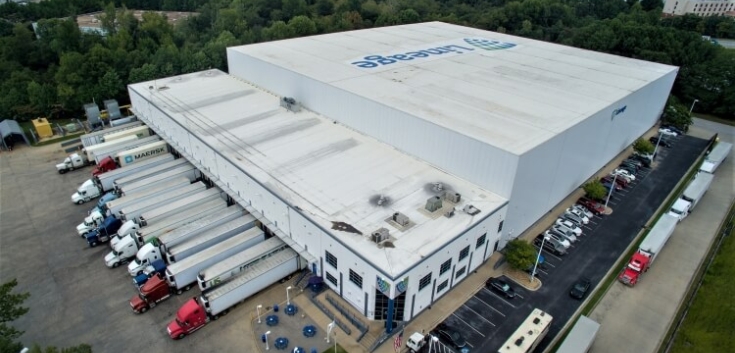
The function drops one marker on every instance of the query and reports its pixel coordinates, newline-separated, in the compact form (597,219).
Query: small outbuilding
(43,128)
(11,132)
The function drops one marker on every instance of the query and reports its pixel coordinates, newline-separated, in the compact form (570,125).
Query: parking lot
(488,319)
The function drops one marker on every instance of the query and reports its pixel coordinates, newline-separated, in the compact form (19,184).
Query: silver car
(569,235)
(556,238)
(567,225)
(573,218)
(584,210)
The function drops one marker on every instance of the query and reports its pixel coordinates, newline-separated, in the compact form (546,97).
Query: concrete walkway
(640,316)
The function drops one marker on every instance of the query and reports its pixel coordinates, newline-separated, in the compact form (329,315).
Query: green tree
(595,190)
(83,348)
(11,308)
(642,146)
(520,254)
(41,96)
(677,115)
(302,26)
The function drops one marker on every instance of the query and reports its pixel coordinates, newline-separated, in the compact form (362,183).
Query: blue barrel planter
(291,310)
(281,343)
(271,320)
(309,331)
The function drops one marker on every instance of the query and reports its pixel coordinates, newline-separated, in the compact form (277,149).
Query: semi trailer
(148,173)
(697,188)
(649,249)
(213,237)
(97,137)
(189,172)
(133,211)
(240,262)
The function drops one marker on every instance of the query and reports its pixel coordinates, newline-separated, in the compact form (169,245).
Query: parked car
(620,181)
(646,159)
(634,161)
(580,288)
(557,238)
(567,225)
(592,205)
(449,335)
(566,234)
(550,245)
(622,173)
(573,218)
(675,129)
(667,132)
(578,213)
(501,287)
(660,141)
(584,210)
(608,185)
(631,165)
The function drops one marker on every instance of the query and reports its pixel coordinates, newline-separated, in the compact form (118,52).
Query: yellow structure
(43,128)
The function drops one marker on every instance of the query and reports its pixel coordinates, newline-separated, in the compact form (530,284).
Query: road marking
(470,326)
(501,299)
(490,306)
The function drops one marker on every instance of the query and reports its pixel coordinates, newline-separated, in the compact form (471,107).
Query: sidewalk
(636,315)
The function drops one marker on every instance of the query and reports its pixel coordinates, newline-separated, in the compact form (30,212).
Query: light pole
(692,107)
(655,149)
(266,340)
(612,186)
(538,257)
(434,341)
(330,327)
(288,297)
(258,309)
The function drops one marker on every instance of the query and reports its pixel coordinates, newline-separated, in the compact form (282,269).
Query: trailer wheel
(187,287)
(179,291)
(225,312)
(215,317)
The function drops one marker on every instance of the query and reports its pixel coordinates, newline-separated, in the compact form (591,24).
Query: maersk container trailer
(176,205)
(148,151)
(213,237)
(193,229)
(183,274)
(240,262)
(112,151)
(134,211)
(257,278)
(105,180)
(91,151)
(186,171)
(94,138)
(153,171)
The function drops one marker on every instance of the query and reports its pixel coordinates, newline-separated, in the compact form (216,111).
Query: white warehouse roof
(509,92)
(331,173)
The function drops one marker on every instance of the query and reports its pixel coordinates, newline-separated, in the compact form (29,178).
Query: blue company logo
(618,111)
(372,61)
(128,159)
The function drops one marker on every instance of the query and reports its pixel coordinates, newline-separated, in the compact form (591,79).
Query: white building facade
(699,7)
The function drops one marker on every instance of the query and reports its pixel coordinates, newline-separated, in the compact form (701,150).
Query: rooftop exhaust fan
(433,203)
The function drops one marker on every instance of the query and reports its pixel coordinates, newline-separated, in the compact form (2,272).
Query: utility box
(43,128)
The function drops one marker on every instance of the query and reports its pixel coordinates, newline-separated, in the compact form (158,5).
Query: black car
(501,287)
(660,141)
(643,159)
(580,288)
(631,170)
(634,161)
(449,335)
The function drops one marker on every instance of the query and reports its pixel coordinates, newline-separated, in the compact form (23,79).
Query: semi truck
(199,311)
(716,157)
(696,189)
(146,174)
(136,209)
(183,274)
(101,234)
(177,205)
(169,240)
(648,250)
(139,132)
(240,262)
(680,209)
(91,151)
(126,246)
(213,237)
(188,172)
(74,161)
(99,184)
(144,257)
(95,217)
(157,268)
(97,137)
(137,154)
(113,151)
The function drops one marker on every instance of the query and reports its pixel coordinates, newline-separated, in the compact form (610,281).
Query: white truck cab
(415,342)
(74,161)
(145,256)
(123,251)
(127,228)
(86,192)
(680,209)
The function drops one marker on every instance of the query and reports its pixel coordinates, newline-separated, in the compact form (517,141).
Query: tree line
(56,68)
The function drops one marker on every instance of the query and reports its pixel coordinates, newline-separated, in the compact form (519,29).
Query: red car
(620,181)
(594,206)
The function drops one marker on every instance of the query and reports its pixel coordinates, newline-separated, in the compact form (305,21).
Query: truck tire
(62,171)
(114,265)
(143,309)
(181,335)
(179,291)
(93,244)
(80,202)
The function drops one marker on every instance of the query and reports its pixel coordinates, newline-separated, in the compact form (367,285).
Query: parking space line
(503,300)
(470,326)
(490,306)
(478,314)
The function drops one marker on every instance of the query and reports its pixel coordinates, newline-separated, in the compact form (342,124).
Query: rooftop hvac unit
(452,197)
(113,109)
(450,213)
(290,104)
(471,210)
(93,114)
(434,203)
(401,219)
(380,235)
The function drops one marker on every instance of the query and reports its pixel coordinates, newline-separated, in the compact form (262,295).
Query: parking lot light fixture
(692,107)
(612,187)
(266,340)
(655,149)
(434,342)
(258,309)
(288,296)
(538,258)
(330,327)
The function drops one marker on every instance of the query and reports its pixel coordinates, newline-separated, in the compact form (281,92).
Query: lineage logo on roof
(436,51)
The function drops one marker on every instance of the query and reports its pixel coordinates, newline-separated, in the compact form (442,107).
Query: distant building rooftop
(90,22)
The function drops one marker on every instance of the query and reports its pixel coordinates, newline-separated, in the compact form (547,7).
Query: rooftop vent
(401,219)
(380,200)
(471,210)
(290,104)
(438,187)
(380,235)
(450,213)
(433,203)
(452,197)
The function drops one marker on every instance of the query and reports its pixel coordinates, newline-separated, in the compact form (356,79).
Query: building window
(331,278)
(445,267)
(355,278)
(481,240)
(460,271)
(442,286)
(425,281)
(331,259)
(464,253)
(500,226)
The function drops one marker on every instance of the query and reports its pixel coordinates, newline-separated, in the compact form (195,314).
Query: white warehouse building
(396,160)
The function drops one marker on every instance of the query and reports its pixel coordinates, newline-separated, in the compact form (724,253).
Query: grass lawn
(339,350)
(710,323)
(714,118)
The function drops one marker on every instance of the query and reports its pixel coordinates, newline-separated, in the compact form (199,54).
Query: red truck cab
(105,165)
(189,318)
(638,264)
(155,290)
